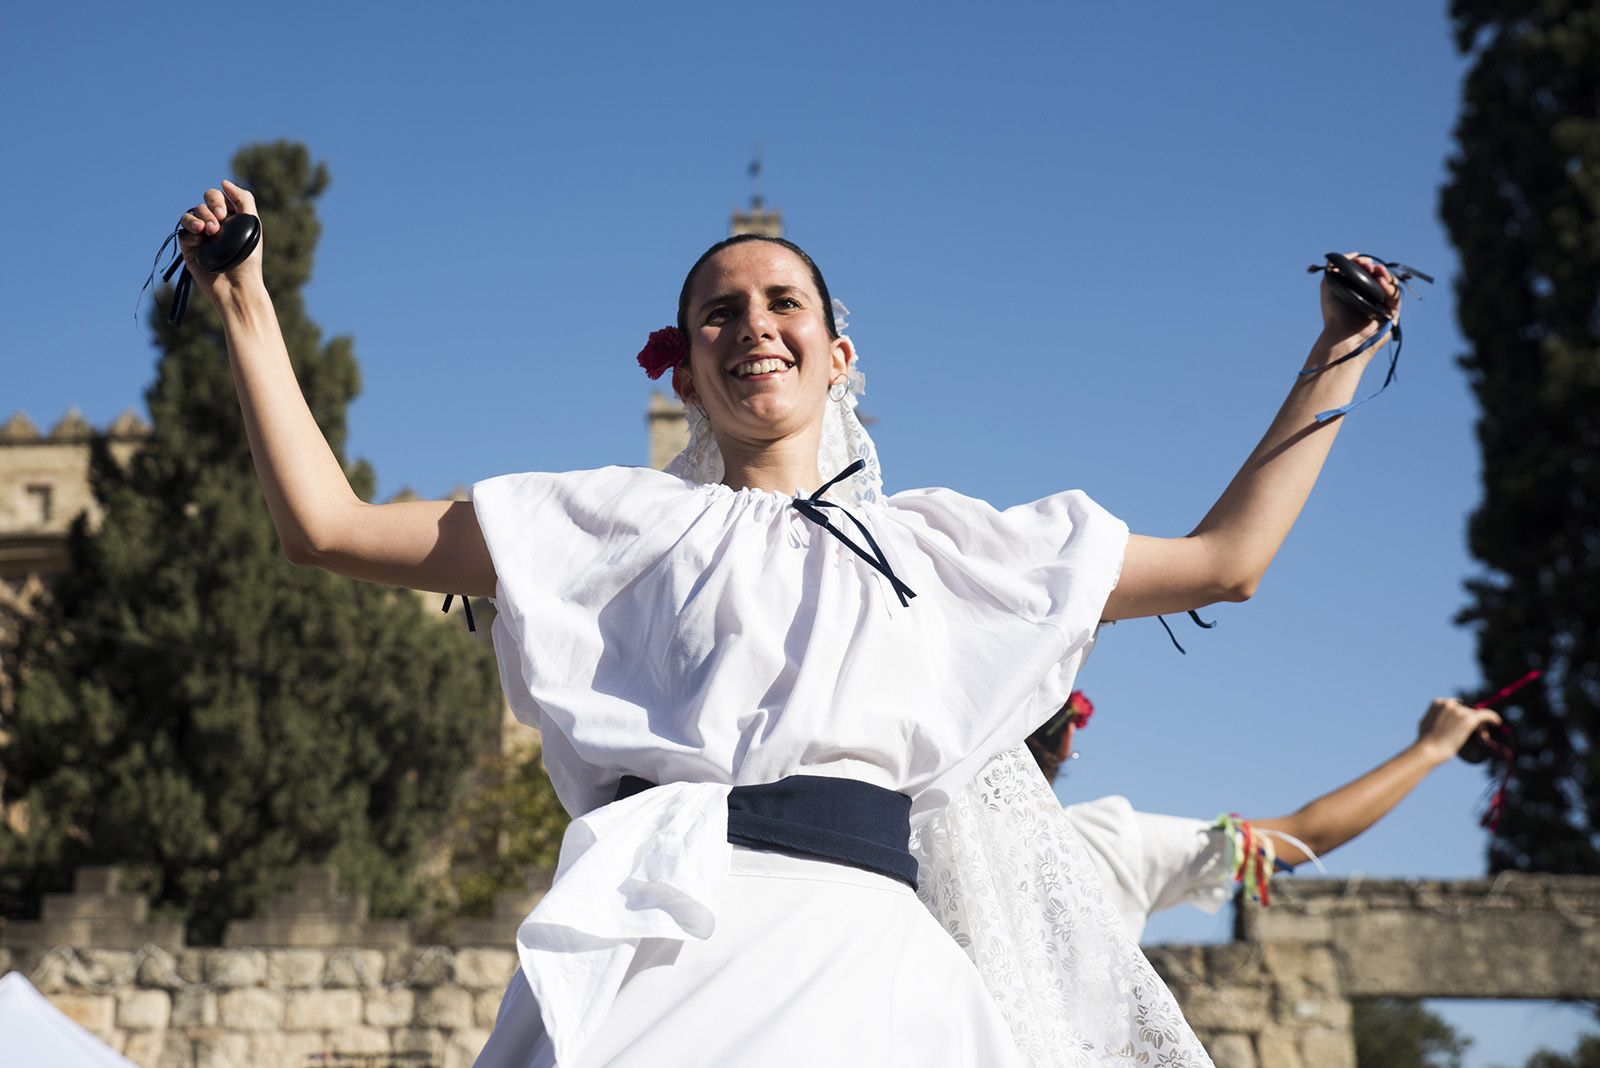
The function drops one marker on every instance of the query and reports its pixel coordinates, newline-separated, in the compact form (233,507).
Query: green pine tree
(193,706)
(1523,208)
(507,826)
(1396,1033)
(1586,1054)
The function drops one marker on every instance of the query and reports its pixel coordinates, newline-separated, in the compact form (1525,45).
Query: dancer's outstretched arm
(426,545)
(1224,558)
(1333,819)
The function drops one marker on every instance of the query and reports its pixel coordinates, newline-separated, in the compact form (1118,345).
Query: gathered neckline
(752,491)
(752,494)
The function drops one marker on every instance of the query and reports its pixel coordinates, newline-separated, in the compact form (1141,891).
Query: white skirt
(812,963)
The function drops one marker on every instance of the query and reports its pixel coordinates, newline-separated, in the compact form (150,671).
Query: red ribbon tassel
(1502,750)
(1509,690)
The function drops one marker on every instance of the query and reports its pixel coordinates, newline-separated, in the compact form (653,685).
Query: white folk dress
(701,638)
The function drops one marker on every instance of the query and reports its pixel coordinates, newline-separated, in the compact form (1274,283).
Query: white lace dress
(702,638)
(1016,886)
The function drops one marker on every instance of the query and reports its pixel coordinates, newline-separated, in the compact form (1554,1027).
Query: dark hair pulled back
(739,239)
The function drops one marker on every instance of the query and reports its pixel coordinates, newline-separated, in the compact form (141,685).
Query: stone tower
(669,429)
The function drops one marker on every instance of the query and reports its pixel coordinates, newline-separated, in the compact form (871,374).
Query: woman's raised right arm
(426,545)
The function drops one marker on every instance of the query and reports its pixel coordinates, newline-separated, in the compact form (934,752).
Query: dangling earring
(837,390)
(701,408)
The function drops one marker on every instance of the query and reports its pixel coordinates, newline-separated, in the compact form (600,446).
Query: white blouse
(1148,862)
(702,637)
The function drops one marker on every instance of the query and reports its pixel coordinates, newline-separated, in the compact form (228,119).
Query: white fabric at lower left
(34,1032)
(811,963)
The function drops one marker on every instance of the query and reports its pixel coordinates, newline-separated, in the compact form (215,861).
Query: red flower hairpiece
(665,350)
(1050,744)
(1081,708)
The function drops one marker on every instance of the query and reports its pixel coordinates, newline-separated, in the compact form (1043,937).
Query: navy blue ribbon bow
(812,508)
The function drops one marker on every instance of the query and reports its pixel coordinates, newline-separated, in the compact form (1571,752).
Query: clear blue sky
(1073,240)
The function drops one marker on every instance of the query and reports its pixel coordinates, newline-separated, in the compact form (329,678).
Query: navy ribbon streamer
(812,508)
(1403,275)
(1198,622)
(466,603)
(180,293)
(1394,360)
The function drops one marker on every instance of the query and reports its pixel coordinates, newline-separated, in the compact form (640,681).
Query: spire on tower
(757,220)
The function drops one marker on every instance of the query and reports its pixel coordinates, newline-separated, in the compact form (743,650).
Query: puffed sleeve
(1055,559)
(564,545)
(1185,863)
(1024,590)
(1150,862)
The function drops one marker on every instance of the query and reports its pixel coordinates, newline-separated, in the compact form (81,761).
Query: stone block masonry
(231,1007)
(1276,997)
(1279,996)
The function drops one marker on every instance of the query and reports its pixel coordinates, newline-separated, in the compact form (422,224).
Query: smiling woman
(763,350)
(748,715)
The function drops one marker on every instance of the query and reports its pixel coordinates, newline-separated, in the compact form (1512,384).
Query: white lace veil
(1001,868)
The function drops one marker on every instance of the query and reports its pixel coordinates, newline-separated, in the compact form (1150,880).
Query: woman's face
(760,358)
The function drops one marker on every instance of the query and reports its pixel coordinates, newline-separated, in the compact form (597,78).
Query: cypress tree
(1522,206)
(191,705)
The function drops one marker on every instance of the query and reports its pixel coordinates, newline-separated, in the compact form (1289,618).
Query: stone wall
(1260,1005)
(1276,997)
(1510,936)
(266,1008)
(313,980)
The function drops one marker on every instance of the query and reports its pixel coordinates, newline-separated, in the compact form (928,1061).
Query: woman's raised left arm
(1224,558)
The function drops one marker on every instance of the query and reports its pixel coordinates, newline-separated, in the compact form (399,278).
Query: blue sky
(1073,241)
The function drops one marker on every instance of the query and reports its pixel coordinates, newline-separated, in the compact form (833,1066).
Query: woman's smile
(761,368)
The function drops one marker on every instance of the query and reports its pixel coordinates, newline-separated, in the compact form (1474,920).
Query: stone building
(44,487)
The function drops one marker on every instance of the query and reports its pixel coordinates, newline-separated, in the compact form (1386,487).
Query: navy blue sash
(816,816)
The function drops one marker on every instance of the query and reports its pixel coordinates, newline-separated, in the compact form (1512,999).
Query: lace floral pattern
(1012,883)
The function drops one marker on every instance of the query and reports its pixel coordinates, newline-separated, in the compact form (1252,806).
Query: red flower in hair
(665,350)
(1049,744)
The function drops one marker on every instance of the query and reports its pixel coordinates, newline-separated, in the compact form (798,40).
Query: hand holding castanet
(1361,302)
(218,240)
(1450,726)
